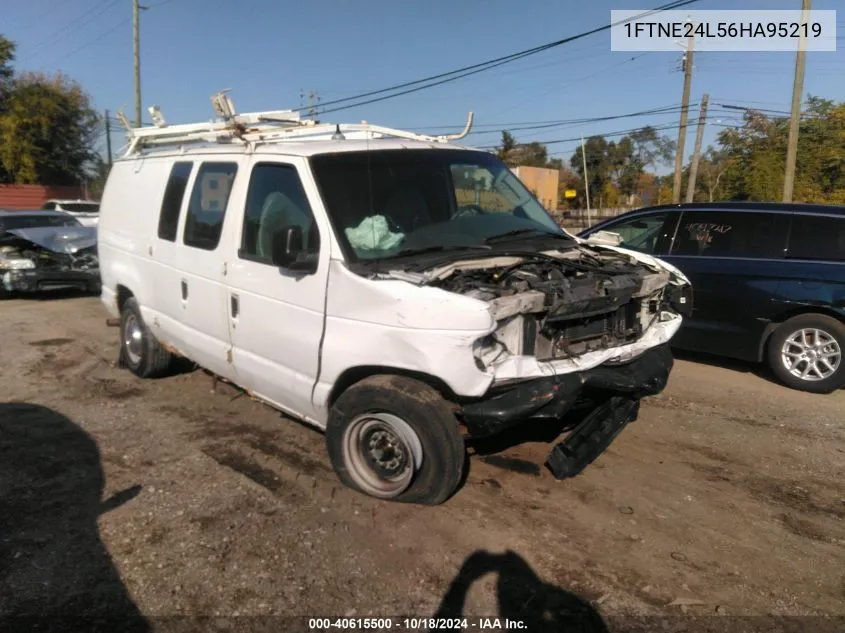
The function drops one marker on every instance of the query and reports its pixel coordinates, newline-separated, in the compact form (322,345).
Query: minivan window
(731,234)
(642,233)
(275,199)
(207,209)
(817,237)
(171,204)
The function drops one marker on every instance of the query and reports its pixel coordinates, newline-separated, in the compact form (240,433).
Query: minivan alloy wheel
(382,452)
(811,354)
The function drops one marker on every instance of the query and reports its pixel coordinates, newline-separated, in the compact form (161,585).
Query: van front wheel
(396,438)
(140,351)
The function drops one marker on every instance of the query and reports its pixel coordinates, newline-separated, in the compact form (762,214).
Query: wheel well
(357,374)
(785,316)
(123,295)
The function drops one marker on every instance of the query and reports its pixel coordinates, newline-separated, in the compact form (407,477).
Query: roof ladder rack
(253,127)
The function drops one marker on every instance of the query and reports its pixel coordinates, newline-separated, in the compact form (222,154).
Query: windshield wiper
(440,248)
(503,237)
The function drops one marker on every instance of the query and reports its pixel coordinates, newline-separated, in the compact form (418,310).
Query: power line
(96,39)
(56,36)
(512,124)
(454,75)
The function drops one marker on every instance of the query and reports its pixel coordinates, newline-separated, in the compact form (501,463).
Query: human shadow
(522,596)
(55,572)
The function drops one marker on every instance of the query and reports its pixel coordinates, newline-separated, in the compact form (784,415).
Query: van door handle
(184,290)
(235,305)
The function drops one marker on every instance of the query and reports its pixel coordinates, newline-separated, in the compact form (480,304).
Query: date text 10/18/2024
(415,624)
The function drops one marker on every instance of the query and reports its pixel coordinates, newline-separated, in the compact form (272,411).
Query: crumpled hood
(59,239)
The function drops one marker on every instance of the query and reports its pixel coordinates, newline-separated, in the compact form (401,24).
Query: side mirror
(288,251)
(605,237)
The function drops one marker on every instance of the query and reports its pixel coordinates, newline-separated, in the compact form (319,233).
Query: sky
(270,51)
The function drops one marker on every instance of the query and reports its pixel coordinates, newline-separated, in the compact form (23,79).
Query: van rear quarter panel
(128,224)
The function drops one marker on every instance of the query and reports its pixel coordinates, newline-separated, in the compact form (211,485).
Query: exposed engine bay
(18,249)
(563,305)
(47,258)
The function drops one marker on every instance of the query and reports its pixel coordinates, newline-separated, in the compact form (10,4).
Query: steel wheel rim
(811,354)
(133,339)
(382,454)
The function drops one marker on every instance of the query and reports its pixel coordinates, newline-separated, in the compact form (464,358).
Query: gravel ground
(182,497)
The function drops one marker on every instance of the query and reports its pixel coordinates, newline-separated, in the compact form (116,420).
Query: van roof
(294,147)
(272,131)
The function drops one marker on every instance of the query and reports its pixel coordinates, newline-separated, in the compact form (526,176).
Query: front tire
(806,353)
(396,438)
(140,351)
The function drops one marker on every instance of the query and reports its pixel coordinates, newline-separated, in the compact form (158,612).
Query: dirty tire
(830,330)
(428,416)
(148,359)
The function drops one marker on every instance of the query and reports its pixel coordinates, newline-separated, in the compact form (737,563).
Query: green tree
(754,155)
(7,56)
(48,129)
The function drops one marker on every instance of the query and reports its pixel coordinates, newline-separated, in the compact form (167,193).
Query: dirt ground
(179,497)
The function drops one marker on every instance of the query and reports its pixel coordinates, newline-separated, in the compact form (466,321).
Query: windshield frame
(320,164)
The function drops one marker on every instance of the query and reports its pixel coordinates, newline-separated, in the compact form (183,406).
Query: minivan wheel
(140,351)
(396,438)
(806,353)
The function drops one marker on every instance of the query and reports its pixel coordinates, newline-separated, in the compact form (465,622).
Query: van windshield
(395,203)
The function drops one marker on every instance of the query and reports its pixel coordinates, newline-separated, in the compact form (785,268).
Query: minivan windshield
(395,203)
(23,221)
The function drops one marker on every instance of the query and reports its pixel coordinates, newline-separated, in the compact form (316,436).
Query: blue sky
(267,51)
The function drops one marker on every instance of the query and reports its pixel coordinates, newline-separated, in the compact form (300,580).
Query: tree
(7,56)
(596,149)
(507,146)
(711,168)
(754,155)
(48,130)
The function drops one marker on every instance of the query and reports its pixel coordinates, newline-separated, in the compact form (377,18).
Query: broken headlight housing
(16,264)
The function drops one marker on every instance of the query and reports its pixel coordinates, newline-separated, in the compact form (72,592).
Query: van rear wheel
(806,353)
(396,438)
(140,351)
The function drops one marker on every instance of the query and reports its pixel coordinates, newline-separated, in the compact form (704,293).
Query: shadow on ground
(55,572)
(522,596)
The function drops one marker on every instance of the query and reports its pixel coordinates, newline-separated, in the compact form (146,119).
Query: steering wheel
(469,209)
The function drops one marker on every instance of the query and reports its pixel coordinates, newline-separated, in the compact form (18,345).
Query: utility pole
(108,139)
(795,117)
(696,154)
(313,100)
(586,180)
(682,130)
(136,46)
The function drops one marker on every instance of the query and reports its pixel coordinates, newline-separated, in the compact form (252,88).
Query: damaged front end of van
(582,330)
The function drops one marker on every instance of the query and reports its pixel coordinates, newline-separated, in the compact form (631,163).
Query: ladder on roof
(255,127)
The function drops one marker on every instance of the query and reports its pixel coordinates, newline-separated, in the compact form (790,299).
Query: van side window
(208,205)
(817,237)
(171,204)
(275,200)
(731,234)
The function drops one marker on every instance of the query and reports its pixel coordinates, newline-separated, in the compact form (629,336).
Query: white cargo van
(397,291)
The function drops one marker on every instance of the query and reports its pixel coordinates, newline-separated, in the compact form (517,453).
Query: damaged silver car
(46,250)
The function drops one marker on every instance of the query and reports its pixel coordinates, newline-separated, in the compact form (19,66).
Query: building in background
(543,183)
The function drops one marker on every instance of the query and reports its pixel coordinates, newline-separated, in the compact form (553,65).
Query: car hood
(59,239)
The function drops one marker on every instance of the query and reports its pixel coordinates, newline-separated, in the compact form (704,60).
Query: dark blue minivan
(768,281)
